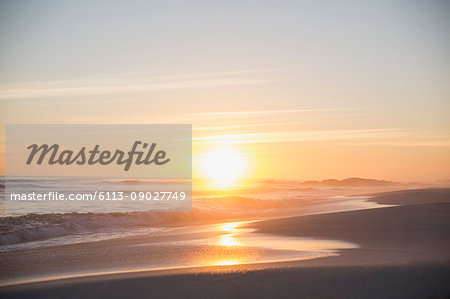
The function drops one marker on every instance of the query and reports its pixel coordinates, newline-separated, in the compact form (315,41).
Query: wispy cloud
(389,136)
(258,115)
(128,83)
(260,112)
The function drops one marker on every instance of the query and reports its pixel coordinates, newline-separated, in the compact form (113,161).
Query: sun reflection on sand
(230,227)
(236,243)
(227,263)
(229,239)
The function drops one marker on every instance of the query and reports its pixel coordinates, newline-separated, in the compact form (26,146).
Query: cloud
(249,116)
(127,83)
(387,136)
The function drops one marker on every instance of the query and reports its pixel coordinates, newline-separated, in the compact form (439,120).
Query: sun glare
(228,240)
(224,168)
(226,263)
(231,230)
(230,226)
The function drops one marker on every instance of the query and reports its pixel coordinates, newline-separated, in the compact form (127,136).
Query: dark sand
(404,253)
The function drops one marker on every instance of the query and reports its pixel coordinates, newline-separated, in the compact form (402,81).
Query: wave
(34,227)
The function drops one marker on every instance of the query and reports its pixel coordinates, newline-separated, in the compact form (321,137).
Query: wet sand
(404,252)
(406,234)
(390,281)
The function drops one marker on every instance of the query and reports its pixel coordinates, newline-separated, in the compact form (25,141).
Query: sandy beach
(402,252)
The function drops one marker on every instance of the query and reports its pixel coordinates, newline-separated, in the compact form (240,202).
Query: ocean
(33,224)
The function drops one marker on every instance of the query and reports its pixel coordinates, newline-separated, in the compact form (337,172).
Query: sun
(224,167)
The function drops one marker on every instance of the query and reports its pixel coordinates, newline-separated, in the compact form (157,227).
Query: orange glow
(230,227)
(226,263)
(228,240)
(224,168)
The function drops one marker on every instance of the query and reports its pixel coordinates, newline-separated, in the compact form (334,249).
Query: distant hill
(350,182)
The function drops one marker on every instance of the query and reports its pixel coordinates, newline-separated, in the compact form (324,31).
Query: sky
(302,89)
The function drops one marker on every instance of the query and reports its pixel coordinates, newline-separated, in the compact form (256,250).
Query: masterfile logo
(95,156)
(148,151)
(98,168)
